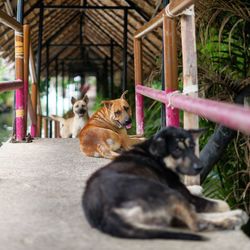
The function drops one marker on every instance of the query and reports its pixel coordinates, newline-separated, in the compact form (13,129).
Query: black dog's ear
(157,147)
(196,133)
(73,100)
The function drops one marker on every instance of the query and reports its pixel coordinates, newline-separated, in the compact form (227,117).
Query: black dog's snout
(197,166)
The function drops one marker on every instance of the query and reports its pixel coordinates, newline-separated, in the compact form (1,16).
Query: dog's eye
(77,106)
(177,152)
(126,108)
(118,112)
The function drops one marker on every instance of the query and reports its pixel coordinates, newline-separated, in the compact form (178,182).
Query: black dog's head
(176,147)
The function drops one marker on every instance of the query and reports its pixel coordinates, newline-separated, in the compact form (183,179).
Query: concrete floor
(41,185)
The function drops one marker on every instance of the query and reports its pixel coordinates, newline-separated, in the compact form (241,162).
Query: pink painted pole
(172,114)
(20,133)
(26,43)
(139,108)
(230,115)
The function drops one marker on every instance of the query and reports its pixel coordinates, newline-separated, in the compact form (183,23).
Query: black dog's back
(136,196)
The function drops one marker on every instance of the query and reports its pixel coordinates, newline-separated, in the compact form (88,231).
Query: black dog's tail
(118,228)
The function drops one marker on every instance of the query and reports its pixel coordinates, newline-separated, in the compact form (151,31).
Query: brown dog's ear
(123,94)
(85,99)
(107,104)
(73,100)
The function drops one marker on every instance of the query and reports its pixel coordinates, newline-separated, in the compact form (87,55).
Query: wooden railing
(173,99)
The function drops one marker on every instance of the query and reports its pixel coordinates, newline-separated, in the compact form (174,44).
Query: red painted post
(20,116)
(139,109)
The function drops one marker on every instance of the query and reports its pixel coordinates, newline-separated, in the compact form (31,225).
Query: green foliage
(224,69)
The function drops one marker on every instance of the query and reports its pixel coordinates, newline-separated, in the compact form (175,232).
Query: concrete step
(41,185)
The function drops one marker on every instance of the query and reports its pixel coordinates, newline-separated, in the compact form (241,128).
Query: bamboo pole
(138,81)
(45,127)
(20,133)
(170,67)
(39,125)
(35,130)
(190,79)
(26,43)
(31,112)
(57,129)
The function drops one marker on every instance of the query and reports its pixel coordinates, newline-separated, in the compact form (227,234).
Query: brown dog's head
(119,112)
(80,107)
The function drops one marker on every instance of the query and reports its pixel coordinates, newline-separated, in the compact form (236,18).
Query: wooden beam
(84,45)
(138,10)
(10,22)
(77,7)
(178,6)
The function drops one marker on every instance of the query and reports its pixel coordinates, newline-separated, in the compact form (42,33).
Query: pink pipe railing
(11,85)
(230,115)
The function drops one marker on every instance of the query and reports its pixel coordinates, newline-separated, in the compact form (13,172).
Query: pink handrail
(230,115)
(11,85)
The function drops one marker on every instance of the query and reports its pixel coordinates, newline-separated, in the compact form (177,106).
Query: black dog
(139,194)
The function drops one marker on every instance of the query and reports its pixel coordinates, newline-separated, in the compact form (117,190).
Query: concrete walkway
(41,185)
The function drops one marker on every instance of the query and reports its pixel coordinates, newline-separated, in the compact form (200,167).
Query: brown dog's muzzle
(128,123)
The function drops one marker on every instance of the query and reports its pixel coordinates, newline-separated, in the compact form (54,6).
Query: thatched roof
(62,26)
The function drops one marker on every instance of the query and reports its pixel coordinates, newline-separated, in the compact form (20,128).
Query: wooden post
(34,127)
(39,125)
(163,87)
(57,129)
(125,51)
(170,67)
(40,40)
(45,127)
(26,44)
(111,87)
(56,70)
(190,80)
(47,80)
(138,81)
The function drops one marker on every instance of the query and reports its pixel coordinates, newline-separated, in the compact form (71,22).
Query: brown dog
(106,130)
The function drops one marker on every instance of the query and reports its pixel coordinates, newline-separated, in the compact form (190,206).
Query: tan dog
(72,126)
(106,130)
